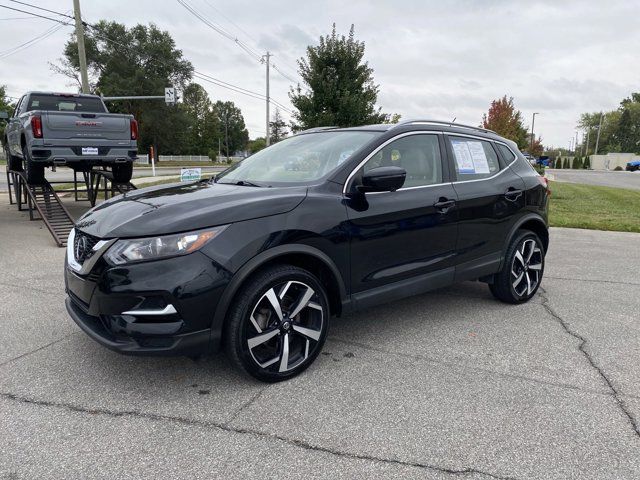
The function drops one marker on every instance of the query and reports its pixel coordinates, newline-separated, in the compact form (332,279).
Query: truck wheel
(122,172)
(33,171)
(13,162)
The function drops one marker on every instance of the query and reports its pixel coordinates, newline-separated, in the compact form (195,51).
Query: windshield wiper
(242,183)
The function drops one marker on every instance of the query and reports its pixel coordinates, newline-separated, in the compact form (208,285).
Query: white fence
(192,159)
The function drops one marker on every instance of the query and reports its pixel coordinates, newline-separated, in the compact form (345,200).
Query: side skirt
(402,289)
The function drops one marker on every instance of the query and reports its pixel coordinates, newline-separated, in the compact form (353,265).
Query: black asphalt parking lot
(451,384)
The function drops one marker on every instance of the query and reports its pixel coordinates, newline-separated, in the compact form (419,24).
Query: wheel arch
(532,222)
(303,256)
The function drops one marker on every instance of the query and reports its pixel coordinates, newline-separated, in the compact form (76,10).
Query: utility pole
(82,58)
(266,58)
(533,122)
(598,137)
(226,134)
(587,151)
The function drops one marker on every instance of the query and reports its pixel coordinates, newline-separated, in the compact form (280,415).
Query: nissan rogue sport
(332,220)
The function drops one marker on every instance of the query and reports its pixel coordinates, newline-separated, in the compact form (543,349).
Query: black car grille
(83,246)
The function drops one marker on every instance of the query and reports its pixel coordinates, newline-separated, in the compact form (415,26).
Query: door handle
(512,194)
(444,204)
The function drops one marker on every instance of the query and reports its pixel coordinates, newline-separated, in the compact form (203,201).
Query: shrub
(574,163)
(618,169)
(587,163)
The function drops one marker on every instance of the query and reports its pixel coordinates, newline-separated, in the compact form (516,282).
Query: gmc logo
(87,123)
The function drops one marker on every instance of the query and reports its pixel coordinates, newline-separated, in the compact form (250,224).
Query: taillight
(134,129)
(36,126)
(545,183)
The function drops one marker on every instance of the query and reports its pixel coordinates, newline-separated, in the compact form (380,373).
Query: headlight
(153,248)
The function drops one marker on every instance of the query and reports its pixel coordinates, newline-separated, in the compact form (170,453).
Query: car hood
(183,207)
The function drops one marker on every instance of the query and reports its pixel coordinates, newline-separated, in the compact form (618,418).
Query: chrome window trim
(431,132)
(380,147)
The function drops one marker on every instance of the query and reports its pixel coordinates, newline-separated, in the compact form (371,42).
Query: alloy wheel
(526,268)
(285,326)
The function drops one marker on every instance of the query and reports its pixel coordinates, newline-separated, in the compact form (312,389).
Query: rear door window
(473,158)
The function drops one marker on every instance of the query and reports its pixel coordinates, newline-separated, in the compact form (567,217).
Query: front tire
(277,324)
(521,274)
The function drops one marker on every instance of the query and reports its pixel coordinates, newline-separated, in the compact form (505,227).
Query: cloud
(431,59)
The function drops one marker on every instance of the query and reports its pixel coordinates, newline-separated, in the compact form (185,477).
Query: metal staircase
(43,199)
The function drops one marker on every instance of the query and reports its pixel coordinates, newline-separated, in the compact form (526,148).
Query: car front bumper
(163,307)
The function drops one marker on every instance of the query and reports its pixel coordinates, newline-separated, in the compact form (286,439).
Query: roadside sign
(190,174)
(170,95)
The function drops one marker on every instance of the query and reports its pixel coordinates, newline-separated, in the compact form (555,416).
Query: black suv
(320,224)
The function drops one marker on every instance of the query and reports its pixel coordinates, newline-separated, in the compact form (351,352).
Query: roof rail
(440,122)
(317,129)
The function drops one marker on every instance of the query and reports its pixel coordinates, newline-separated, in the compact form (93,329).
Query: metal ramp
(43,203)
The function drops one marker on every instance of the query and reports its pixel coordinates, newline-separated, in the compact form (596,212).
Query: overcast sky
(432,59)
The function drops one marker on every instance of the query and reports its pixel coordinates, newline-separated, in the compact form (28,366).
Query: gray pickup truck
(69,129)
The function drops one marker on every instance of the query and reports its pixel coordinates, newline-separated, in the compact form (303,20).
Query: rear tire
(277,324)
(122,172)
(521,274)
(33,171)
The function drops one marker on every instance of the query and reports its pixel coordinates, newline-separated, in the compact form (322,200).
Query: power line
(251,51)
(34,14)
(255,55)
(22,46)
(243,91)
(43,9)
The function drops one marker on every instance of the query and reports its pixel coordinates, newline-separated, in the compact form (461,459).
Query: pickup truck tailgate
(67,125)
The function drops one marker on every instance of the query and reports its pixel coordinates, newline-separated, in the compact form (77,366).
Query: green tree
(203,130)
(232,129)
(5,106)
(141,60)
(338,85)
(277,127)
(256,145)
(505,120)
(587,163)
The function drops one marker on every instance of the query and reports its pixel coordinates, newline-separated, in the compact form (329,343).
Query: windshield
(298,159)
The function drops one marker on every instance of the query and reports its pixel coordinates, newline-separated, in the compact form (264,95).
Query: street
(597,177)
(451,384)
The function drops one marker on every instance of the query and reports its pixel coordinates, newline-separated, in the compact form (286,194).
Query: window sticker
(479,157)
(470,157)
(463,157)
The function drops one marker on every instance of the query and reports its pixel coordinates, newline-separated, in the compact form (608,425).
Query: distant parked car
(633,166)
(544,161)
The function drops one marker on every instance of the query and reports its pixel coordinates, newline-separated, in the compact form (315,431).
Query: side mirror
(383,179)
